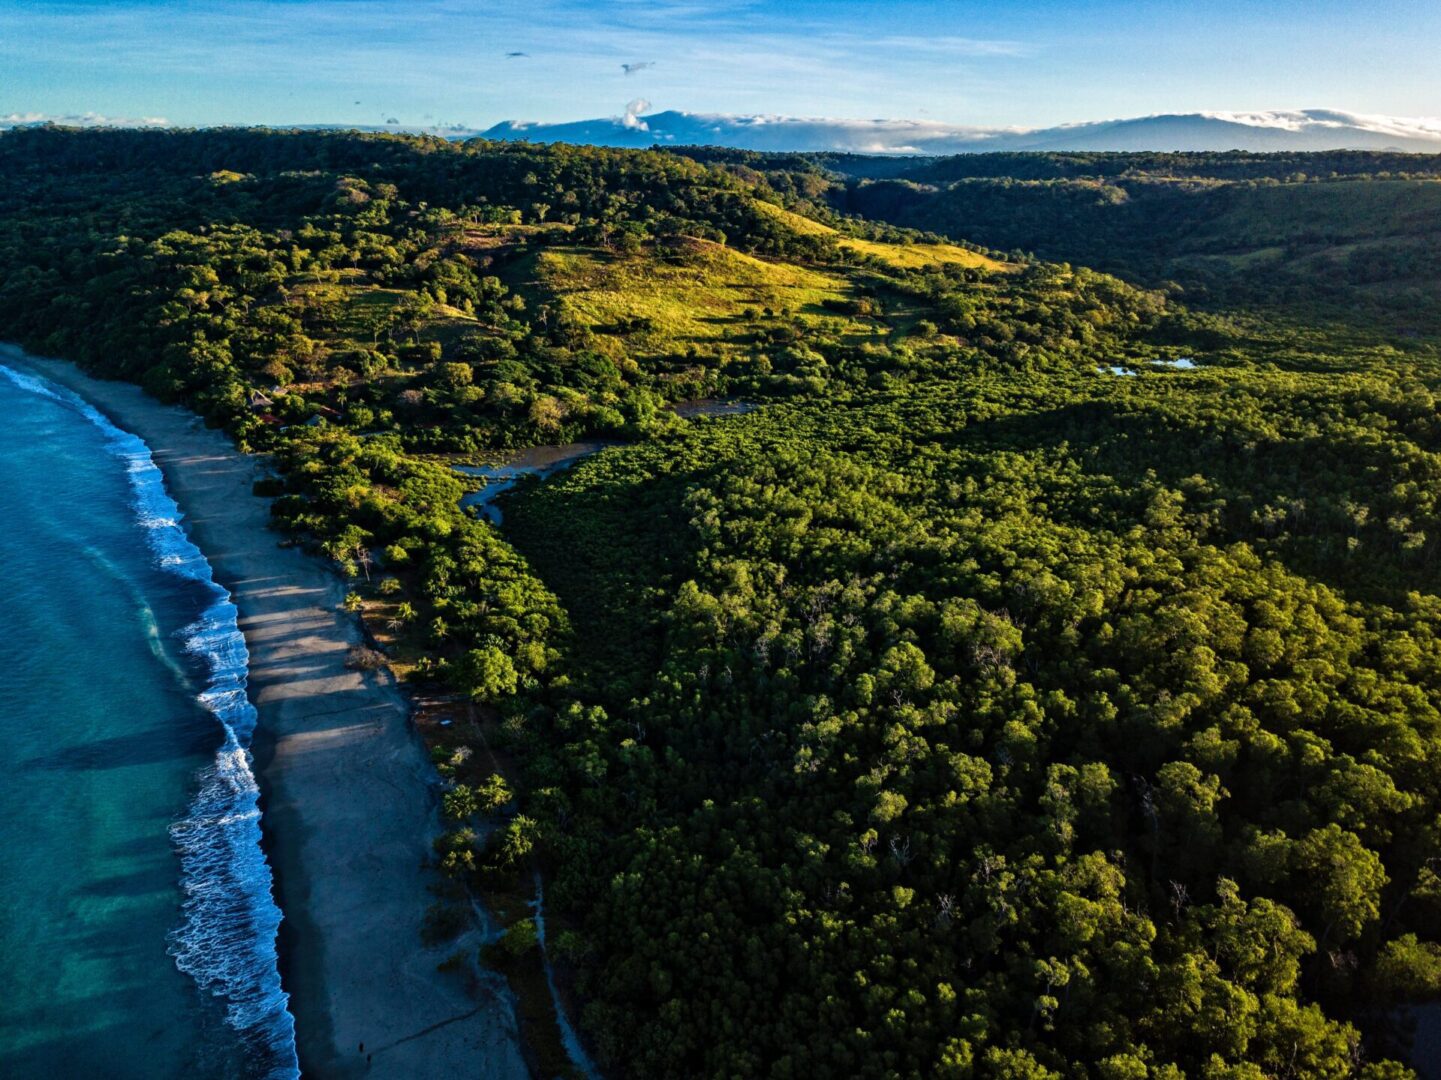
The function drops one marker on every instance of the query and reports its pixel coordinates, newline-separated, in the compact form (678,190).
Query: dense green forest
(1335,237)
(1043,681)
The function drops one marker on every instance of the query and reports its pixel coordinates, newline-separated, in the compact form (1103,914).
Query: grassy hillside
(913,255)
(699,294)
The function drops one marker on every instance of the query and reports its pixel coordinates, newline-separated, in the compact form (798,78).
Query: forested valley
(1043,680)
(1335,238)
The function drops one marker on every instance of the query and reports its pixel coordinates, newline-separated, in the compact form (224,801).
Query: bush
(494,793)
(443,922)
(487,674)
(460,802)
(457,852)
(364,658)
(521,938)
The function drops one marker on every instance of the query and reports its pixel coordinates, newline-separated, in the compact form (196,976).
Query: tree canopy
(1044,680)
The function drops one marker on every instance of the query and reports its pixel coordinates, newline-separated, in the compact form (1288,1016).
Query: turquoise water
(137,928)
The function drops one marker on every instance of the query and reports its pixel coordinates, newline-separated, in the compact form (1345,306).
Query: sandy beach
(349,810)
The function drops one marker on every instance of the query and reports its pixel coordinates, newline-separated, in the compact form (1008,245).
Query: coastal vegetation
(1043,681)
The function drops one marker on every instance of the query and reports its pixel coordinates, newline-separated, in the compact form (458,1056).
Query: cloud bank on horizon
(85,119)
(1305,129)
(637,128)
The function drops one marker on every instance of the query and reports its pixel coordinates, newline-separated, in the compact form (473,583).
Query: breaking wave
(229,920)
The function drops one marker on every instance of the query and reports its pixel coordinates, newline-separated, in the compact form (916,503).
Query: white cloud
(1314,120)
(86,119)
(632,119)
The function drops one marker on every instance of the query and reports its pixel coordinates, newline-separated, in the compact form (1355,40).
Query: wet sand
(349,810)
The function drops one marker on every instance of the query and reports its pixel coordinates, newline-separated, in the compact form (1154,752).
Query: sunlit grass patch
(706,294)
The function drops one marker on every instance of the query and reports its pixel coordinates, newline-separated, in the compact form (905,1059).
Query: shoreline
(347,800)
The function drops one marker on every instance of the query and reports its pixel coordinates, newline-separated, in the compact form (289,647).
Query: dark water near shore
(137,930)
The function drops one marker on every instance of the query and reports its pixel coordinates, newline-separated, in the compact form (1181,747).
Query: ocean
(138,927)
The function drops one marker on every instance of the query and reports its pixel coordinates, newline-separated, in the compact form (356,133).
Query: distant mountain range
(1310,129)
(1306,129)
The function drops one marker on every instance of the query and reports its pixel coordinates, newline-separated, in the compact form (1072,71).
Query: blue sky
(445,61)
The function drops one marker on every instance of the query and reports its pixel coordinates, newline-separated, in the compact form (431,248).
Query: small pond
(689,410)
(1181,363)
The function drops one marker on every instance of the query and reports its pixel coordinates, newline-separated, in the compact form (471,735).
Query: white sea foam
(229,922)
